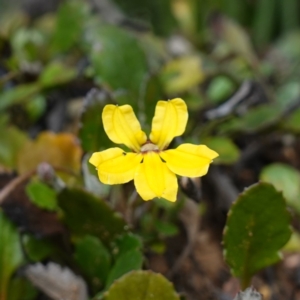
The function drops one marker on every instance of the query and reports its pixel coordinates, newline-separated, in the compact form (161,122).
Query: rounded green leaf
(286,179)
(94,260)
(220,88)
(257,228)
(86,214)
(41,195)
(142,285)
(37,249)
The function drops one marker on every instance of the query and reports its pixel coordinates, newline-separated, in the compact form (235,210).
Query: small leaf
(37,249)
(257,228)
(229,153)
(288,94)
(142,285)
(59,150)
(11,255)
(86,214)
(166,228)
(55,74)
(36,107)
(181,74)
(220,88)
(130,260)
(286,179)
(126,242)
(18,95)
(41,195)
(93,259)
(111,65)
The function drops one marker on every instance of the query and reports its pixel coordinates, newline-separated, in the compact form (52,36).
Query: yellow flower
(150,165)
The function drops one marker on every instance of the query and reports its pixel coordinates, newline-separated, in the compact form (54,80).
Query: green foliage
(70,21)
(220,88)
(19,95)
(37,249)
(286,179)
(142,285)
(111,65)
(91,133)
(85,214)
(41,195)
(56,74)
(253,235)
(93,259)
(228,152)
(126,262)
(11,256)
(255,120)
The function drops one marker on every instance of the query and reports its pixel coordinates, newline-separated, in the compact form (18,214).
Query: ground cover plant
(149,150)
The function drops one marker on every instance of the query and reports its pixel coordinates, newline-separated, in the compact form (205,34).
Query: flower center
(149,147)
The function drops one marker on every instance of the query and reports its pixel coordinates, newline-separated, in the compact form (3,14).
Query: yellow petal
(169,121)
(115,166)
(189,160)
(122,126)
(153,179)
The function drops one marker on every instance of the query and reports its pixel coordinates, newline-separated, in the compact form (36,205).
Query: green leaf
(56,74)
(220,88)
(36,107)
(18,95)
(37,249)
(166,228)
(288,94)
(92,134)
(229,153)
(142,285)
(93,259)
(117,58)
(255,120)
(41,195)
(69,25)
(86,214)
(257,228)
(21,288)
(11,255)
(292,122)
(12,141)
(286,179)
(126,242)
(130,260)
